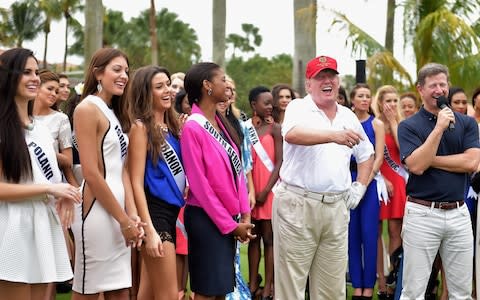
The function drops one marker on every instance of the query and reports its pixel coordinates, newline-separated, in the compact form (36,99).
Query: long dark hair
(140,103)
(14,156)
(101,58)
(353,93)
(194,87)
(276,89)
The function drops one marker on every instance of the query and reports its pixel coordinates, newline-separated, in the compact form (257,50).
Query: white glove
(355,194)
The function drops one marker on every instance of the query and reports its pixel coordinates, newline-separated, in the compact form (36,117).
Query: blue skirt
(210,255)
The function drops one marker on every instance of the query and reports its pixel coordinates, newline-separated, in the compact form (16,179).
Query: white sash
(394,166)
(114,123)
(200,119)
(174,165)
(262,154)
(42,161)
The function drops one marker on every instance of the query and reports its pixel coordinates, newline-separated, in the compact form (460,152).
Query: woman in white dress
(57,122)
(107,222)
(44,111)
(34,204)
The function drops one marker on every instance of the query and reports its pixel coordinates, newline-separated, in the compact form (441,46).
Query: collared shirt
(436,184)
(323,167)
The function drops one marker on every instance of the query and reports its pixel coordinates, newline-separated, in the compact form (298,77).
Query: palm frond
(443,36)
(384,68)
(357,39)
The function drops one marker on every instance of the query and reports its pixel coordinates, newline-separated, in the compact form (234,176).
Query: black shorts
(211,255)
(164,217)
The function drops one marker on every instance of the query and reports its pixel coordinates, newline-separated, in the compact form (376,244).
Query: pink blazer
(210,176)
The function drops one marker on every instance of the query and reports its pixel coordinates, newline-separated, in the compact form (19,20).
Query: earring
(209,92)
(99,87)
(256,120)
(228,111)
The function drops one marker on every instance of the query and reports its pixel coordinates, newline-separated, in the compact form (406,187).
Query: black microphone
(442,102)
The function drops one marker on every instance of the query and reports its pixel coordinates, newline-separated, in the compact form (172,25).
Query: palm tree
(176,41)
(305,18)
(438,30)
(113,35)
(219,11)
(69,7)
(93,27)
(153,33)
(244,43)
(389,34)
(24,22)
(52,11)
(5,38)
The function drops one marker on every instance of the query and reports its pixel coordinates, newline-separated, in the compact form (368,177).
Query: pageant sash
(394,166)
(258,147)
(42,160)
(232,155)
(174,165)
(122,141)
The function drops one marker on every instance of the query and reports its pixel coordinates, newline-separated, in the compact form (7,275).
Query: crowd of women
(168,165)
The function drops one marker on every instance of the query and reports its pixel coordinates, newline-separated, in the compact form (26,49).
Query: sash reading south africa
(200,119)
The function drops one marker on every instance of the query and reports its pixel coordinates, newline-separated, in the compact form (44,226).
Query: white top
(323,167)
(59,126)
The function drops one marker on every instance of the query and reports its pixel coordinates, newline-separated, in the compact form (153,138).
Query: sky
(274,18)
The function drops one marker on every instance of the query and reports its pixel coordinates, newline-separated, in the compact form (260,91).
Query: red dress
(181,246)
(395,207)
(261,175)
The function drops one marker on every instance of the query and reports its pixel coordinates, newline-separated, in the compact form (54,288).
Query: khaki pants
(426,231)
(310,239)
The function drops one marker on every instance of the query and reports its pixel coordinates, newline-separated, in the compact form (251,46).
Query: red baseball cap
(319,64)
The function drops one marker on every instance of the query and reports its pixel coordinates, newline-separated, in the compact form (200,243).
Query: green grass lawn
(244,268)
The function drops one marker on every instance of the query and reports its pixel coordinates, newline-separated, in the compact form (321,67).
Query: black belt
(441,205)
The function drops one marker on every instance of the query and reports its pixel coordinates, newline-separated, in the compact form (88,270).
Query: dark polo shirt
(435,184)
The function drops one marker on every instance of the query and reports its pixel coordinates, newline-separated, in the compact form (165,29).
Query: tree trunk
(218,31)
(93,28)
(390,25)
(65,53)
(45,47)
(305,24)
(153,33)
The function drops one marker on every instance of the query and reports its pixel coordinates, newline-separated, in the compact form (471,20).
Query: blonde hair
(377,104)
(179,75)
(234,108)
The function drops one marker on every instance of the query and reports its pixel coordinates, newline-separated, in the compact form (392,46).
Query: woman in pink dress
(267,159)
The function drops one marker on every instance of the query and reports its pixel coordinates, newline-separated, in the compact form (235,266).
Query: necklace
(163,127)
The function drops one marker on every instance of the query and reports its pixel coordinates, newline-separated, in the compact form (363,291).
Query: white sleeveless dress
(102,260)
(32,246)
